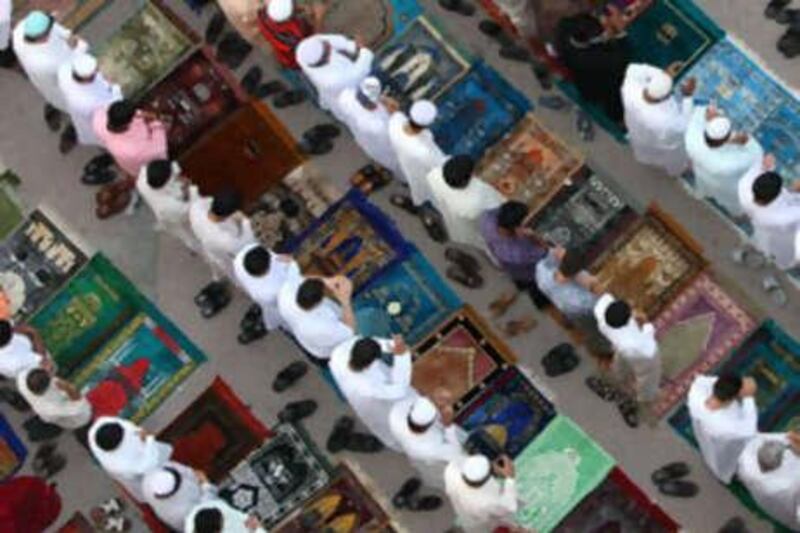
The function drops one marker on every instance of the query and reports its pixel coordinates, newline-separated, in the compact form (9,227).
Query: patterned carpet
(12,450)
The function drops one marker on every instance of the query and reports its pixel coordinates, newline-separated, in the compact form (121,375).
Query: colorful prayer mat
(511,409)
(71,13)
(556,472)
(196,96)
(477,112)
(618,505)
(346,504)
(10,207)
(695,332)
(12,450)
(419,63)
(35,262)
(425,299)
(279,477)
(353,238)
(460,357)
(583,212)
(650,264)
(530,164)
(144,48)
(99,322)
(215,432)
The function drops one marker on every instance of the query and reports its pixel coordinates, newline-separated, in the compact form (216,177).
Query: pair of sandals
(669,480)
(755,260)
(344,437)
(626,405)
(319,139)
(431,219)
(560,360)
(408,497)
(213,298)
(252,328)
(289,376)
(370,178)
(294,412)
(789,43)
(464,268)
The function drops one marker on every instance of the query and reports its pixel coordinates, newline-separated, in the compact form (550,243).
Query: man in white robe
(636,355)
(54,400)
(462,198)
(6,51)
(774,211)
(656,121)
(173,490)
(719,157)
(426,438)
(333,63)
(318,322)
(261,273)
(164,189)
(85,91)
(216,515)
(770,469)
(416,149)
(17,352)
(724,419)
(126,452)
(483,495)
(370,385)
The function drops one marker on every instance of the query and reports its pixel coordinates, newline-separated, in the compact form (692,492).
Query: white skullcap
(84,65)
(159,482)
(423,412)
(660,86)
(476,468)
(371,88)
(280,10)
(423,113)
(310,51)
(718,128)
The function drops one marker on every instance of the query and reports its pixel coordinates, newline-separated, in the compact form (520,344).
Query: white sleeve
(745,187)
(399,380)
(600,308)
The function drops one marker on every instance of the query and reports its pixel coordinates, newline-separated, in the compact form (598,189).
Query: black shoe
(490,28)
(458,6)
(404,202)
(340,435)
(265,90)
(252,316)
(669,472)
(251,80)
(462,259)
(98,162)
(252,333)
(52,117)
(289,98)
(775,7)
(469,279)
(289,376)
(233,50)
(69,138)
(515,53)
(433,223)
(425,503)
(363,443)
(213,298)
(322,131)
(214,28)
(788,17)
(318,147)
(406,493)
(100,176)
(789,44)
(679,488)
(296,411)
(560,360)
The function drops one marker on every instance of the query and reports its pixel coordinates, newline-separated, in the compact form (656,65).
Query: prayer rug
(12,450)
(279,477)
(371,20)
(353,238)
(71,13)
(196,96)
(618,505)
(425,299)
(650,264)
(556,472)
(695,332)
(215,432)
(530,164)
(511,409)
(35,261)
(346,504)
(419,63)
(754,100)
(144,48)
(477,112)
(461,357)
(585,210)
(100,322)
(10,207)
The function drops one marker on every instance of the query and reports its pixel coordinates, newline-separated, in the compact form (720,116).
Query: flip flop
(679,488)
(670,471)
(407,490)
(296,411)
(340,434)
(462,259)
(605,391)
(404,202)
(470,280)
(289,376)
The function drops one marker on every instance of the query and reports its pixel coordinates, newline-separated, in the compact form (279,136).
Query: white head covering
(310,51)
(160,482)
(37,23)
(280,10)
(423,412)
(84,65)
(371,88)
(423,113)
(660,86)
(718,128)
(476,468)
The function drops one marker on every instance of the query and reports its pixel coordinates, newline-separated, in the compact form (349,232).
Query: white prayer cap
(423,412)
(476,468)
(718,128)
(160,482)
(84,65)
(37,23)
(310,51)
(280,10)
(371,88)
(660,86)
(423,113)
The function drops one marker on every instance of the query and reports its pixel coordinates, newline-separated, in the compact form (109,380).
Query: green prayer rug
(556,472)
(10,207)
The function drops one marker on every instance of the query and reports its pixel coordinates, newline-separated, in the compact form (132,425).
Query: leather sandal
(289,376)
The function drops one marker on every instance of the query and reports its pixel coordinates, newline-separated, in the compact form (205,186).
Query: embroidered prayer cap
(423,113)
(371,88)
(84,65)
(718,128)
(280,10)
(423,412)
(476,469)
(37,23)
(660,86)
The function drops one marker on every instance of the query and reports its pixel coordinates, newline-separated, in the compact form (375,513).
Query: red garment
(284,36)
(113,394)
(28,505)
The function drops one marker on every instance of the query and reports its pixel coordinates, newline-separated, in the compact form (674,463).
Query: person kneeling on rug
(173,490)
(216,516)
(57,404)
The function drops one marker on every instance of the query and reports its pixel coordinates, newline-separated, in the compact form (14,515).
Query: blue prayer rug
(12,451)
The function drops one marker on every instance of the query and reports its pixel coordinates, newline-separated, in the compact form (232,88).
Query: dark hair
(158,173)
(310,293)
(38,380)
(727,387)
(176,476)
(208,521)
(6,332)
(109,436)
(226,202)
(289,207)
(586,27)
(572,263)
(457,171)
(767,187)
(618,314)
(365,351)
(120,115)
(511,215)
(257,260)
